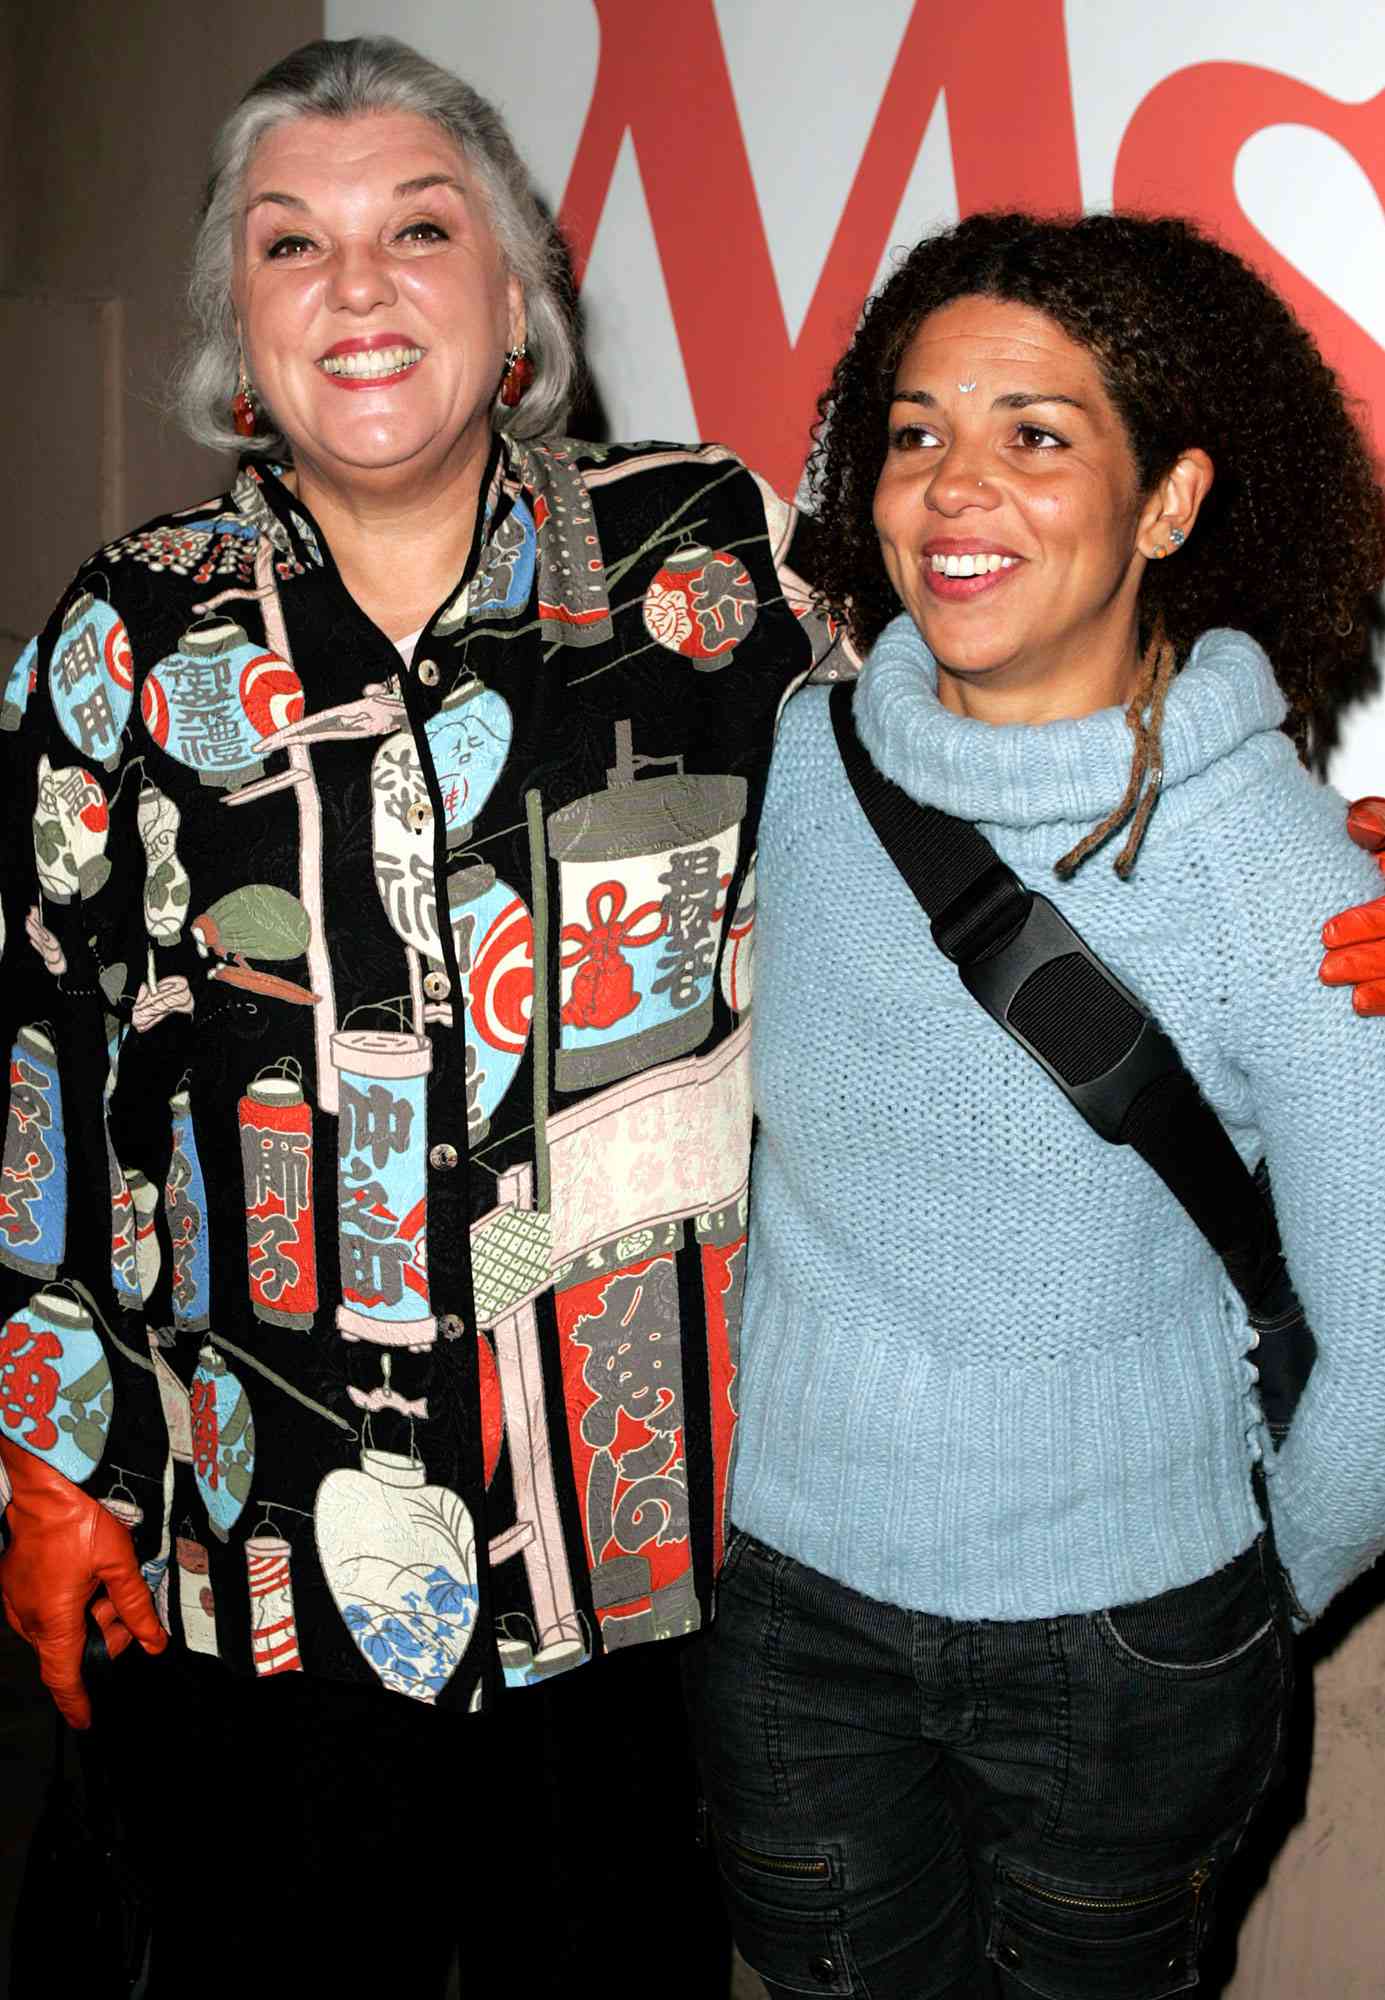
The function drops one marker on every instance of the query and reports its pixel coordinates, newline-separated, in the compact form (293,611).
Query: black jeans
(906,1807)
(302,1837)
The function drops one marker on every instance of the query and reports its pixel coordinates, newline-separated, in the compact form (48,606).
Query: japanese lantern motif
(399,1557)
(33,1178)
(92,678)
(71,822)
(185,1207)
(469,740)
(56,1395)
(223,1441)
(209,703)
(196,1601)
(643,870)
(494,936)
(701,604)
(166,886)
(276,1144)
(23,678)
(619,1324)
(738,960)
(382,1187)
(273,1621)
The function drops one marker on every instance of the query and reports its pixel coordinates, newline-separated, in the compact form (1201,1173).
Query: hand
(1356,939)
(66,1552)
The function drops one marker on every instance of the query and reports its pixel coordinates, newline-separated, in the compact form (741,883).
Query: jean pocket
(781,1929)
(1196,1629)
(1069,1943)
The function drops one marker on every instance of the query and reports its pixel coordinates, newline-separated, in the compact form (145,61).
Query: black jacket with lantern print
(373,1208)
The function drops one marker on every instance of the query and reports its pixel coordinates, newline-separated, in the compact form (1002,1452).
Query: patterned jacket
(380,1267)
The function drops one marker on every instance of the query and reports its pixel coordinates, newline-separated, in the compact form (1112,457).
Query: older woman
(373,1192)
(1003,1649)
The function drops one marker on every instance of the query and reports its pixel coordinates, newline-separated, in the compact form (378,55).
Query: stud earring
(243,405)
(518,376)
(1160,552)
(1177,537)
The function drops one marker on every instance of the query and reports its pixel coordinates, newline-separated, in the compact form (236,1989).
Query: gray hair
(341,80)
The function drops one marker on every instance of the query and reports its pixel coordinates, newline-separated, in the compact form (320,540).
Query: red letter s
(1179,155)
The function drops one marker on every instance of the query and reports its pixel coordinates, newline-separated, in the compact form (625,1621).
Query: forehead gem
(965,388)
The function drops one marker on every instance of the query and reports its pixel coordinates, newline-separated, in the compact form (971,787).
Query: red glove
(1355,940)
(64,1547)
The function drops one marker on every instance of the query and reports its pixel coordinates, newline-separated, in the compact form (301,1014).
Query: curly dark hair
(1195,350)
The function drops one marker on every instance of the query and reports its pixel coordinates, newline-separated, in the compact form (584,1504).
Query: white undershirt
(405,646)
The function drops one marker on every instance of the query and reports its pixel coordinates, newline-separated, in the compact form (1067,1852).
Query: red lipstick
(410,353)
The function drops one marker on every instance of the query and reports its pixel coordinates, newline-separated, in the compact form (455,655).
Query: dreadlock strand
(1069,864)
(1141,793)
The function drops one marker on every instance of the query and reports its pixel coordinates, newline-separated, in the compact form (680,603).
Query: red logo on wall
(1004,68)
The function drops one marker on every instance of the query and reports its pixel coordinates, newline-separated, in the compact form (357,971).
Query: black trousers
(302,1837)
(913,1807)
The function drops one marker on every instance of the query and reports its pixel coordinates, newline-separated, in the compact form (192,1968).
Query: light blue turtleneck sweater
(990,1368)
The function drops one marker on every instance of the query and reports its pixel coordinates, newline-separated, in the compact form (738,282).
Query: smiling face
(374,303)
(1010,516)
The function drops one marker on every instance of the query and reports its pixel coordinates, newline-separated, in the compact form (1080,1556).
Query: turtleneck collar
(1028,775)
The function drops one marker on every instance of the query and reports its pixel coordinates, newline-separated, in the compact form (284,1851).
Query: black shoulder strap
(1032,972)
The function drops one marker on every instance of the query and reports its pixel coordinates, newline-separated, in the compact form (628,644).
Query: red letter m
(1003,65)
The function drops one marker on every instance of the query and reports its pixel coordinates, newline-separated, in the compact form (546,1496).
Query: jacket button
(451,1326)
(1009,1954)
(824,1970)
(435,985)
(419,814)
(427,671)
(442,1156)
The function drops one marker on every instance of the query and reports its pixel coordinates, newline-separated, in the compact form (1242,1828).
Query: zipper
(805,1867)
(1196,1882)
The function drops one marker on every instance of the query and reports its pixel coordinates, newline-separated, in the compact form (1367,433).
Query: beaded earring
(243,405)
(518,376)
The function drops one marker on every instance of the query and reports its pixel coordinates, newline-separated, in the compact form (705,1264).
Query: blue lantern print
(469,738)
(223,1441)
(185,1207)
(209,703)
(382,1187)
(92,678)
(56,1395)
(399,1557)
(33,1178)
(19,687)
